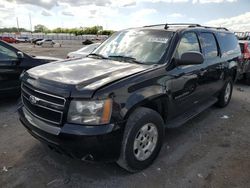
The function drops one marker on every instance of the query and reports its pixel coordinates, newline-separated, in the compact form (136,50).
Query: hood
(85,73)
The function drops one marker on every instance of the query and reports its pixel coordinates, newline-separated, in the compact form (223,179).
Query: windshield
(143,46)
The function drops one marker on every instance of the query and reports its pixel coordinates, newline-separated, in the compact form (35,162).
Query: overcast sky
(120,14)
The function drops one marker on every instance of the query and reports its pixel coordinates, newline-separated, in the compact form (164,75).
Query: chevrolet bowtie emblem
(33,99)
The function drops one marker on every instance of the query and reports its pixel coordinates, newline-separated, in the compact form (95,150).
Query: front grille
(42,105)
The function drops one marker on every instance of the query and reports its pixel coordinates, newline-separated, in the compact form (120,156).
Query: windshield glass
(144,46)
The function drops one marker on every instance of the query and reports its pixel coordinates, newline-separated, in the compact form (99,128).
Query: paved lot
(211,150)
(60,52)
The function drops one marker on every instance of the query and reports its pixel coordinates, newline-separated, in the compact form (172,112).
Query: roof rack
(166,26)
(182,24)
(219,28)
(154,25)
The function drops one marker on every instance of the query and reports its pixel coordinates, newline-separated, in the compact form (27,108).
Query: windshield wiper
(126,58)
(97,55)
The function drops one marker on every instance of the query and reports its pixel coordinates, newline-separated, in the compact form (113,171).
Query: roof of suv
(184,26)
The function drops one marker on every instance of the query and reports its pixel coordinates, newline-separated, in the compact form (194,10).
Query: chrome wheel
(227,92)
(145,141)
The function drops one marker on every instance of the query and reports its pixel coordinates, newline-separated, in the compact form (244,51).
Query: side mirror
(190,58)
(20,55)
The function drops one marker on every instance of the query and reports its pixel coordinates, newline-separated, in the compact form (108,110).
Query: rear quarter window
(228,44)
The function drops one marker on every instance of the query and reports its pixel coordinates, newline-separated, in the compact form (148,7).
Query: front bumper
(99,143)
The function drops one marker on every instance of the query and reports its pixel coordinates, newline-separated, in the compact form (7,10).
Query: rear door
(9,71)
(213,74)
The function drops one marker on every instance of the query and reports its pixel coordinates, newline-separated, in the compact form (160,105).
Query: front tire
(142,140)
(225,94)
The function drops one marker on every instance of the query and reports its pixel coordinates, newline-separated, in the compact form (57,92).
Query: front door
(9,71)
(188,87)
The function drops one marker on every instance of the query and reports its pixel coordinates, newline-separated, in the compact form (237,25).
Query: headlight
(90,112)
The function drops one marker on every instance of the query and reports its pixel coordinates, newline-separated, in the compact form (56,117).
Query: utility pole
(30,23)
(17,23)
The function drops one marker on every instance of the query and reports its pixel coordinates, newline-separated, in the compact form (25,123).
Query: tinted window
(209,45)
(189,42)
(228,43)
(6,54)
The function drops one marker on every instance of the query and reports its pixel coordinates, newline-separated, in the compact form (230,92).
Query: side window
(209,45)
(189,42)
(6,54)
(229,44)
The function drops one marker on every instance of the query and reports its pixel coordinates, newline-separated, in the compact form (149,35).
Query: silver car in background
(83,52)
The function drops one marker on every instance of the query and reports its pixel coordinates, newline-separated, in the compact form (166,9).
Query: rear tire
(225,94)
(142,140)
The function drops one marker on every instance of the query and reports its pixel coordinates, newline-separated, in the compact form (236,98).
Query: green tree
(12,29)
(41,28)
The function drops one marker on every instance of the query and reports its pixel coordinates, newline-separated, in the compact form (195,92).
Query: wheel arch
(158,103)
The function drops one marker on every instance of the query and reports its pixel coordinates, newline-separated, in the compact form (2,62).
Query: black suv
(13,63)
(116,103)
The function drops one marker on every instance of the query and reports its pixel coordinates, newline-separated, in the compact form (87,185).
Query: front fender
(142,97)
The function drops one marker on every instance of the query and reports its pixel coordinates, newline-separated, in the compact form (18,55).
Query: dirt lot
(212,150)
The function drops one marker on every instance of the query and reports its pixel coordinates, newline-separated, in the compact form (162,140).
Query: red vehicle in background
(245,67)
(245,49)
(9,39)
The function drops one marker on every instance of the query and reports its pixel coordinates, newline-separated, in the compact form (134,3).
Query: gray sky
(119,14)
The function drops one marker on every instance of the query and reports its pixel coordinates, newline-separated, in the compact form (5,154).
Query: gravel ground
(212,150)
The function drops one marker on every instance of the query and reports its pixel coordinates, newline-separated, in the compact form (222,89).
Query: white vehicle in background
(23,39)
(83,52)
(45,42)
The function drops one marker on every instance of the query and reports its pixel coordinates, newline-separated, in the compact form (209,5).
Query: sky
(121,14)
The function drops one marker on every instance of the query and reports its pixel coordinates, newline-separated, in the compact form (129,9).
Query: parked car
(35,40)
(23,39)
(88,42)
(83,52)
(45,42)
(116,103)
(13,63)
(9,39)
(243,35)
(245,63)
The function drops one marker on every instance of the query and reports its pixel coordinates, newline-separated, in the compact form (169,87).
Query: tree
(12,29)
(95,30)
(41,28)
(106,32)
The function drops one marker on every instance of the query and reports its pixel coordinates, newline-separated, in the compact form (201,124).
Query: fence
(55,36)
